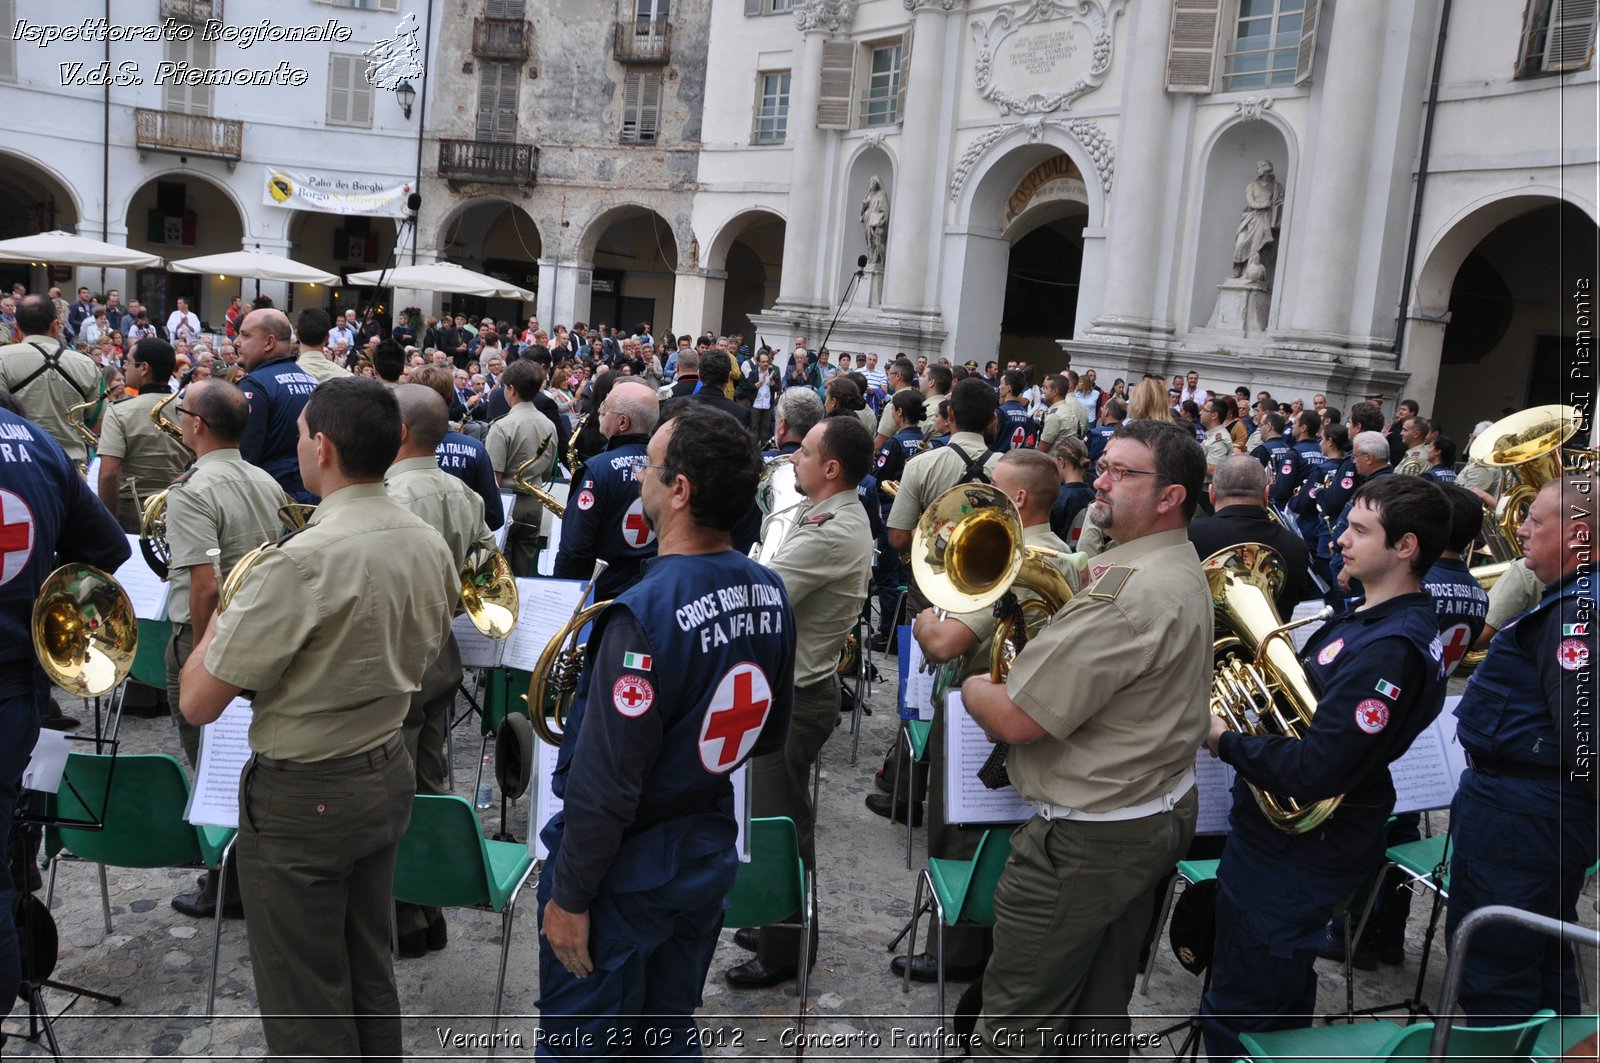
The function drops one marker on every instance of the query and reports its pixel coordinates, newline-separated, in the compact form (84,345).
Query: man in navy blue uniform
(605,517)
(278,389)
(1013,428)
(1299,468)
(1523,823)
(1239,495)
(1380,682)
(1272,445)
(1369,451)
(688,674)
(47,514)
(1101,433)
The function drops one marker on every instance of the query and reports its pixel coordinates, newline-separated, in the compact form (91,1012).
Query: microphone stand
(849,291)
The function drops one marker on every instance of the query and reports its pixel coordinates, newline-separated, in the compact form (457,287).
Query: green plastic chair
(446,862)
(150,658)
(962,894)
(1386,1040)
(144,798)
(1191,872)
(1562,1034)
(1423,862)
(914,744)
(771,887)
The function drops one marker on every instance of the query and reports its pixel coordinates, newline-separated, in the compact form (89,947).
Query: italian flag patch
(639,662)
(1388,689)
(1574,629)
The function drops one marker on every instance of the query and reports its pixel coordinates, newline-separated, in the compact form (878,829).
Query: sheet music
(966,748)
(544,605)
(551,527)
(146,590)
(507,500)
(1215,782)
(547,804)
(47,762)
(1454,755)
(477,649)
(919,683)
(224,749)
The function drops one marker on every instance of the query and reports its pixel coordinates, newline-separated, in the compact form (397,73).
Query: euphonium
(540,495)
(84,631)
(967,553)
(1259,686)
(1527,447)
(779,498)
(555,676)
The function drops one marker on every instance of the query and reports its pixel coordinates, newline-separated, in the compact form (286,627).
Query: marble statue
(875,219)
(1259,224)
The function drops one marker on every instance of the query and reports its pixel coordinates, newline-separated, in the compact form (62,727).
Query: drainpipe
(105,152)
(1422,182)
(422,120)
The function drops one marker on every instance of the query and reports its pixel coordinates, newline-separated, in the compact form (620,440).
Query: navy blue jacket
(1440,474)
(1099,436)
(278,390)
(605,519)
(1462,605)
(1012,427)
(467,459)
(890,462)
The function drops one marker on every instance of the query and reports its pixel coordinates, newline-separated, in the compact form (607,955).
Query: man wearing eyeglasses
(605,518)
(1103,710)
(221,503)
(137,459)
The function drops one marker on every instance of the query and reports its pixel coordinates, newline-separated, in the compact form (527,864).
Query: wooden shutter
(8,46)
(1192,45)
(1306,58)
(838,76)
(649,107)
(497,101)
(349,95)
(504,8)
(904,75)
(1570,42)
(360,93)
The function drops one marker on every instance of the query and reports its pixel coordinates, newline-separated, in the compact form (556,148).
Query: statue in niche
(875,219)
(1258,225)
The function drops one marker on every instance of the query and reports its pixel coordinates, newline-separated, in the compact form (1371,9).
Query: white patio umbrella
(63,249)
(253,262)
(442,277)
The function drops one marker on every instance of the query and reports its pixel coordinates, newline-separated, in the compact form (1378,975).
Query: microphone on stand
(861,265)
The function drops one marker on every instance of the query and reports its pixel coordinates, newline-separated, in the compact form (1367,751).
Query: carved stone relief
(1045,42)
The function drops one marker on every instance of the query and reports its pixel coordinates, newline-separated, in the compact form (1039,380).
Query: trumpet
(555,676)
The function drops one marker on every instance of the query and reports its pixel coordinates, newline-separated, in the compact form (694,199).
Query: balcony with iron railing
(502,38)
(499,162)
(188,134)
(643,41)
(197,11)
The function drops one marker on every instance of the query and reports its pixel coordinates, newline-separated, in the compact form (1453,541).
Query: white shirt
(181,324)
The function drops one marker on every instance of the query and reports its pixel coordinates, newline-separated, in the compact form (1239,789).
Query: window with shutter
(641,108)
(349,95)
(497,101)
(1267,44)
(772,107)
(504,8)
(780,6)
(752,8)
(1558,36)
(8,46)
(1192,45)
(838,78)
(904,75)
(879,104)
(1307,56)
(189,99)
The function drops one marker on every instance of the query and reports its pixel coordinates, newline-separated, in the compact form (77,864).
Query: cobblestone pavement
(157,960)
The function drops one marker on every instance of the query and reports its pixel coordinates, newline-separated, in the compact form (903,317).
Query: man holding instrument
(688,673)
(522,436)
(333,629)
(1103,710)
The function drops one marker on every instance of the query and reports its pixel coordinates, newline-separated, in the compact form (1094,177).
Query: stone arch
(465,227)
(605,220)
(174,173)
(635,254)
(31,190)
(998,162)
(715,256)
(745,258)
(1443,251)
(205,220)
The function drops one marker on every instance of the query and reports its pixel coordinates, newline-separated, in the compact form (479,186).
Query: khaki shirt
(1475,475)
(982,622)
(1063,418)
(1513,594)
(512,440)
(1218,446)
(335,626)
(316,363)
(1417,453)
(931,474)
(444,502)
(150,457)
(1120,681)
(886,415)
(825,563)
(45,400)
(868,420)
(224,503)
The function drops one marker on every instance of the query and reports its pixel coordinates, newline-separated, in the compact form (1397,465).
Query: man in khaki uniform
(1219,441)
(825,563)
(1064,415)
(901,377)
(137,459)
(333,630)
(222,503)
(46,376)
(448,506)
(312,331)
(520,435)
(1103,710)
(1030,480)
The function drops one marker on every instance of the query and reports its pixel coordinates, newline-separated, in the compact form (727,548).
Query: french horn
(153,514)
(555,676)
(489,591)
(74,415)
(84,630)
(293,516)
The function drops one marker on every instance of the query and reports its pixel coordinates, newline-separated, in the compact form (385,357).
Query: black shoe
(198,905)
(1393,955)
(438,935)
(747,937)
(414,944)
(35,880)
(753,974)
(1364,961)
(881,778)
(61,723)
(879,804)
(924,968)
(880,641)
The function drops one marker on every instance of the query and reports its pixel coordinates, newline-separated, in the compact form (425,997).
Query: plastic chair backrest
(144,824)
(502,690)
(994,848)
(442,859)
(1498,1043)
(150,659)
(771,887)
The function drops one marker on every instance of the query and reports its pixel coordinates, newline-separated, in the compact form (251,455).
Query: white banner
(334,193)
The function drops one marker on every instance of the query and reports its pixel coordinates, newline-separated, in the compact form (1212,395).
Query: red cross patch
(16,536)
(1330,651)
(1347,483)
(1572,654)
(733,721)
(585,499)
(1019,436)
(883,459)
(636,531)
(1372,716)
(1457,640)
(633,695)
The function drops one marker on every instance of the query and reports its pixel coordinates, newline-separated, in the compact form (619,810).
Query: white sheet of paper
(552,528)
(47,761)
(477,649)
(1215,780)
(543,606)
(146,590)
(507,500)
(224,748)
(919,685)
(92,477)
(965,749)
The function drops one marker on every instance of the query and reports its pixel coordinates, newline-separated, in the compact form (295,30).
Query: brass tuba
(1259,687)
(967,553)
(84,631)
(555,676)
(779,499)
(1526,446)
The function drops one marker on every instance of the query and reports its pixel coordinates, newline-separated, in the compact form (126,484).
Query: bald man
(278,389)
(604,518)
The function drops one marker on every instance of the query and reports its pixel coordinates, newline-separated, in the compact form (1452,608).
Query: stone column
(564,286)
(1137,214)
(807,227)
(698,297)
(1334,183)
(916,209)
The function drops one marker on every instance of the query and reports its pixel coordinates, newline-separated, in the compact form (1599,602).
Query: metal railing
(502,38)
(191,10)
(188,134)
(643,41)
(505,162)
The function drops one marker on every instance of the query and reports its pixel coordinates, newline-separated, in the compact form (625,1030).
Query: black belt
(1512,769)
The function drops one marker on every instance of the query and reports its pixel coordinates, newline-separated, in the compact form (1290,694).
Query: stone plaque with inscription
(1042,56)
